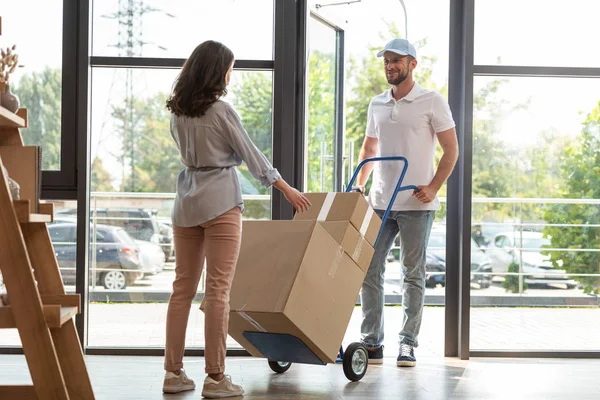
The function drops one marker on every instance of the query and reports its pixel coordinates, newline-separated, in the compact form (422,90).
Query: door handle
(350,159)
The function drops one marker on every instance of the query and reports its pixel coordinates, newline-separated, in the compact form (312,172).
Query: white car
(152,256)
(526,248)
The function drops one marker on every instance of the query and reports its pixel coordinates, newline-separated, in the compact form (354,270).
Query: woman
(207,211)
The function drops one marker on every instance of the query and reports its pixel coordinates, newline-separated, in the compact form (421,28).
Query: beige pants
(217,241)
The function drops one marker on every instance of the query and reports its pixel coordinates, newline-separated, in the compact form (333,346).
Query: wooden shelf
(25,217)
(39,307)
(55,315)
(34,219)
(64,300)
(18,392)
(11,120)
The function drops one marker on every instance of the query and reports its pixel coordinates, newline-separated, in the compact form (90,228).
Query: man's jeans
(414,228)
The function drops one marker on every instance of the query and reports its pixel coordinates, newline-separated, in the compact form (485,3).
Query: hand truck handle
(399,187)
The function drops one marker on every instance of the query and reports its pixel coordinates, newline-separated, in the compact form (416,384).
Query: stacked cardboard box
(302,277)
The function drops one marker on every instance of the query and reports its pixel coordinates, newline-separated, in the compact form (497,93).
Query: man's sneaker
(174,383)
(375,355)
(217,390)
(406,358)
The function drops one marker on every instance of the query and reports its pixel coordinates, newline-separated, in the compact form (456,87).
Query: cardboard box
(293,278)
(353,244)
(337,206)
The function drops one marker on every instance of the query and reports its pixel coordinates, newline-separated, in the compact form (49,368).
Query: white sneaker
(174,383)
(217,390)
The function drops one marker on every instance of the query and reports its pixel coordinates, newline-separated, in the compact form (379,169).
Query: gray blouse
(211,147)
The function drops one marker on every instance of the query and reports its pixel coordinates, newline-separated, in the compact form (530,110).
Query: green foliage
(252,98)
(40,93)
(580,170)
(101,180)
(511,282)
(320,121)
(146,137)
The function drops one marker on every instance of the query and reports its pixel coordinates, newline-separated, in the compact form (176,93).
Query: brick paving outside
(143,325)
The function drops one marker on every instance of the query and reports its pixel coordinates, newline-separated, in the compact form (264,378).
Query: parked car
(526,248)
(153,257)
(140,223)
(435,267)
(117,260)
(151,254)
(481,267)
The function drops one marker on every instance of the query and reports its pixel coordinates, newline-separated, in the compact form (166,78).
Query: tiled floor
(137,378)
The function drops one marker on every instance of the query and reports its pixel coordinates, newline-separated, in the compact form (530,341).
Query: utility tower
(130,43)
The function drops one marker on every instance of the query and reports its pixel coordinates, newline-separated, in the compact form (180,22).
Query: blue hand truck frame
(275,346)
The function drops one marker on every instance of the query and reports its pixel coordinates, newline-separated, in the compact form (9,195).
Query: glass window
(367,26)
(535,200)
(173,28)
(541,33)
(39,83)
(102,236)
(61,234)
(134,172)
(320,112)
(124,237)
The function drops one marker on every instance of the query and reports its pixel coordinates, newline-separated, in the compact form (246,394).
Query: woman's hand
(297,199)
(292,195)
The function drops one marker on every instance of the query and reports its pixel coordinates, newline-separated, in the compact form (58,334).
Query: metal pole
(322,172)
(521,248)
(350,159)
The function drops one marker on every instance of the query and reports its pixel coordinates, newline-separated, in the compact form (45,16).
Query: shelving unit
(39,307)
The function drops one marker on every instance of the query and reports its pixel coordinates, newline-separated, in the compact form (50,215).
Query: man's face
(397,67)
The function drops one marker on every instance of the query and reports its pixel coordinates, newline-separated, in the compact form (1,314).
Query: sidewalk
(143,325)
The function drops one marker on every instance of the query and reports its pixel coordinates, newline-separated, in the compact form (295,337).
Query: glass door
(324,106)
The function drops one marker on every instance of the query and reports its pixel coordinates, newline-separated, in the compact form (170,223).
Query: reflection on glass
(535,211)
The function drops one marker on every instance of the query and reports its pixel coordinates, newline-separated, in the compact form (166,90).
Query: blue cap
(399,46)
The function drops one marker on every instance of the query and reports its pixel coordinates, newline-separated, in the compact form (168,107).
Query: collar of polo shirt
(411,96)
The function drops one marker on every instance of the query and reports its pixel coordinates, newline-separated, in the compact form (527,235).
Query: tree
(511,282)
(320,121)
(101,180)
(146,136)
(580,171)
(40,93)
(252,98)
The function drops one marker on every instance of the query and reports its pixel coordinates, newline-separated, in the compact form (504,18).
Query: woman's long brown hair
(201,81)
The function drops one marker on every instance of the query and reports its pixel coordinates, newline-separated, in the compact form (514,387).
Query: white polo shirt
(408,128)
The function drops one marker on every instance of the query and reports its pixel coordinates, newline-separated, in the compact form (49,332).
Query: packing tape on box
(366,221)
(336,262)
(357,250)
(252,321)
(326,206)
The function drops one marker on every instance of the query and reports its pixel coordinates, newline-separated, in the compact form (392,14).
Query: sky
(515,32)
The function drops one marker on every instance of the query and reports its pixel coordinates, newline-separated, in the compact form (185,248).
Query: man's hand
(426,194)
(361,188)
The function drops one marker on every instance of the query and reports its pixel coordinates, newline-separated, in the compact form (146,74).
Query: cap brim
(382,52)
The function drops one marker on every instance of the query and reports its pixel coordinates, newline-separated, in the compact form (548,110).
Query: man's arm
(368,150)
(449,143)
